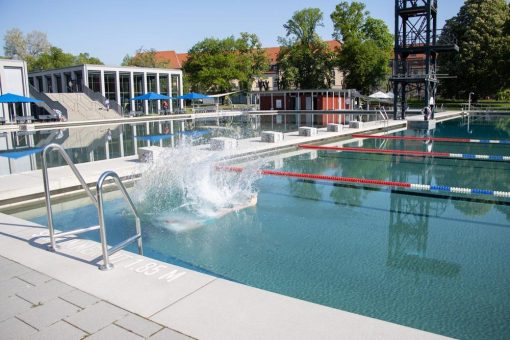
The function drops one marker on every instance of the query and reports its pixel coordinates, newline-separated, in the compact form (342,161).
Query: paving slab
(48,313)
(59,331)
(139,325)
(12,286)
(168,334)
(79,298)
(15,329)
(11,270)
(44,292)
(12,306)
(96,317)
(114,332)
(34,278)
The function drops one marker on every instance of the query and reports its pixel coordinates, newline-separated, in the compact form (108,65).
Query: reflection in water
(409,225)
(408,237)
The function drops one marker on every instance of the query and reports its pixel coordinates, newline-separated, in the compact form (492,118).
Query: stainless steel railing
(102,230)
(98,202)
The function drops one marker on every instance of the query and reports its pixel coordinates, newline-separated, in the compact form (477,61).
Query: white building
(13,79)
(117,83)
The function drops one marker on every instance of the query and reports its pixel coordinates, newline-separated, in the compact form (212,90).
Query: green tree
(481,30)
(144,58)
(221,65)
(366,46)
(55,58)
(85,58)
(305,60)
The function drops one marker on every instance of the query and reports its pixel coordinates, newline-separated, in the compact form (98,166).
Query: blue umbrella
(20,153)
(14,98)
(192,95)
(154,138)
(151,96)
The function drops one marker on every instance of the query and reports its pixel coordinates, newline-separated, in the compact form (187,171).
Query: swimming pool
(430,260)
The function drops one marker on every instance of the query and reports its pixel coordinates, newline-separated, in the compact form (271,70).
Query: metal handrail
(98,202)
(102,228)
(47,194)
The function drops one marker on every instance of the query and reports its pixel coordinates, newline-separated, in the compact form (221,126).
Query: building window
(152,87)
(49,84)
(95,81)
(40,84)
(163,84)
(125,92)
(109,86)
(138,84)
(176,90)
(58,80)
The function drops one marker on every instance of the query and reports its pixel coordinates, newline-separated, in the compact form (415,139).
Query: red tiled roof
(177,60)
(272,52)
(171,57)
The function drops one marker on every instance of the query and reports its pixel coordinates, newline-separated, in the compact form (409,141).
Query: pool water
(433,261)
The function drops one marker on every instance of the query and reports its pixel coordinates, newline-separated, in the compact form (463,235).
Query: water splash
(184,189)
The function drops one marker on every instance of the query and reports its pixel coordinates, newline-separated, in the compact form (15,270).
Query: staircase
(81,107)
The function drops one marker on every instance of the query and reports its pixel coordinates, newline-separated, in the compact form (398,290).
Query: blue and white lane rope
(468,191)
(484,157)
(490,141)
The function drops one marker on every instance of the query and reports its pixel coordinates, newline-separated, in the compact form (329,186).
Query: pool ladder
(98,202)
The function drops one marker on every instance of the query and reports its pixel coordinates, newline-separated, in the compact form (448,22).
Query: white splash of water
(185,183)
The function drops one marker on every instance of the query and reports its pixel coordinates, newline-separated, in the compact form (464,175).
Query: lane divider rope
(437,139)
(411,153)
(376,182)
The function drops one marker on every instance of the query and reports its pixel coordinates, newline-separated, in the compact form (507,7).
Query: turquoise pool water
(432,261)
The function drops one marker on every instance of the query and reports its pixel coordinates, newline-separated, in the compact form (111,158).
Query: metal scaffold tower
(416,34)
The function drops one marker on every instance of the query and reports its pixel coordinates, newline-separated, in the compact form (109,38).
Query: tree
(55,58)
(305,61)
(37,43)
(144,58)
(366,46)
(36,50)
(221,65)
(481,30)
(85,58)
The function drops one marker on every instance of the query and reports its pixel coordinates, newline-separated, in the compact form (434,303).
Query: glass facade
(138,80)
(109,86)
(95,81)
(58,80)
(152,87)
(176,85)
(125,92)
(116,85)
(49,84)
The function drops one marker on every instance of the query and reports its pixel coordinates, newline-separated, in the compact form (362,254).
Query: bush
(504,95)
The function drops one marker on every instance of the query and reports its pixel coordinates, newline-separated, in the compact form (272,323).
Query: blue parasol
(151,96)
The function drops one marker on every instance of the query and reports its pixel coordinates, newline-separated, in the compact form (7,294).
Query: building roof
(177,60)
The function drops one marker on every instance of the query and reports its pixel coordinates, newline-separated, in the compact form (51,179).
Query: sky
(110,29)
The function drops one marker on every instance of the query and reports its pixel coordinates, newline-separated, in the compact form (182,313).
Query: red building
(307,102)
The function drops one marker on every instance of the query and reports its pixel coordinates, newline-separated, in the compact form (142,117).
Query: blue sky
(110,29)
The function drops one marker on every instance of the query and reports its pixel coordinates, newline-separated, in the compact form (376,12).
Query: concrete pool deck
(45,293)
